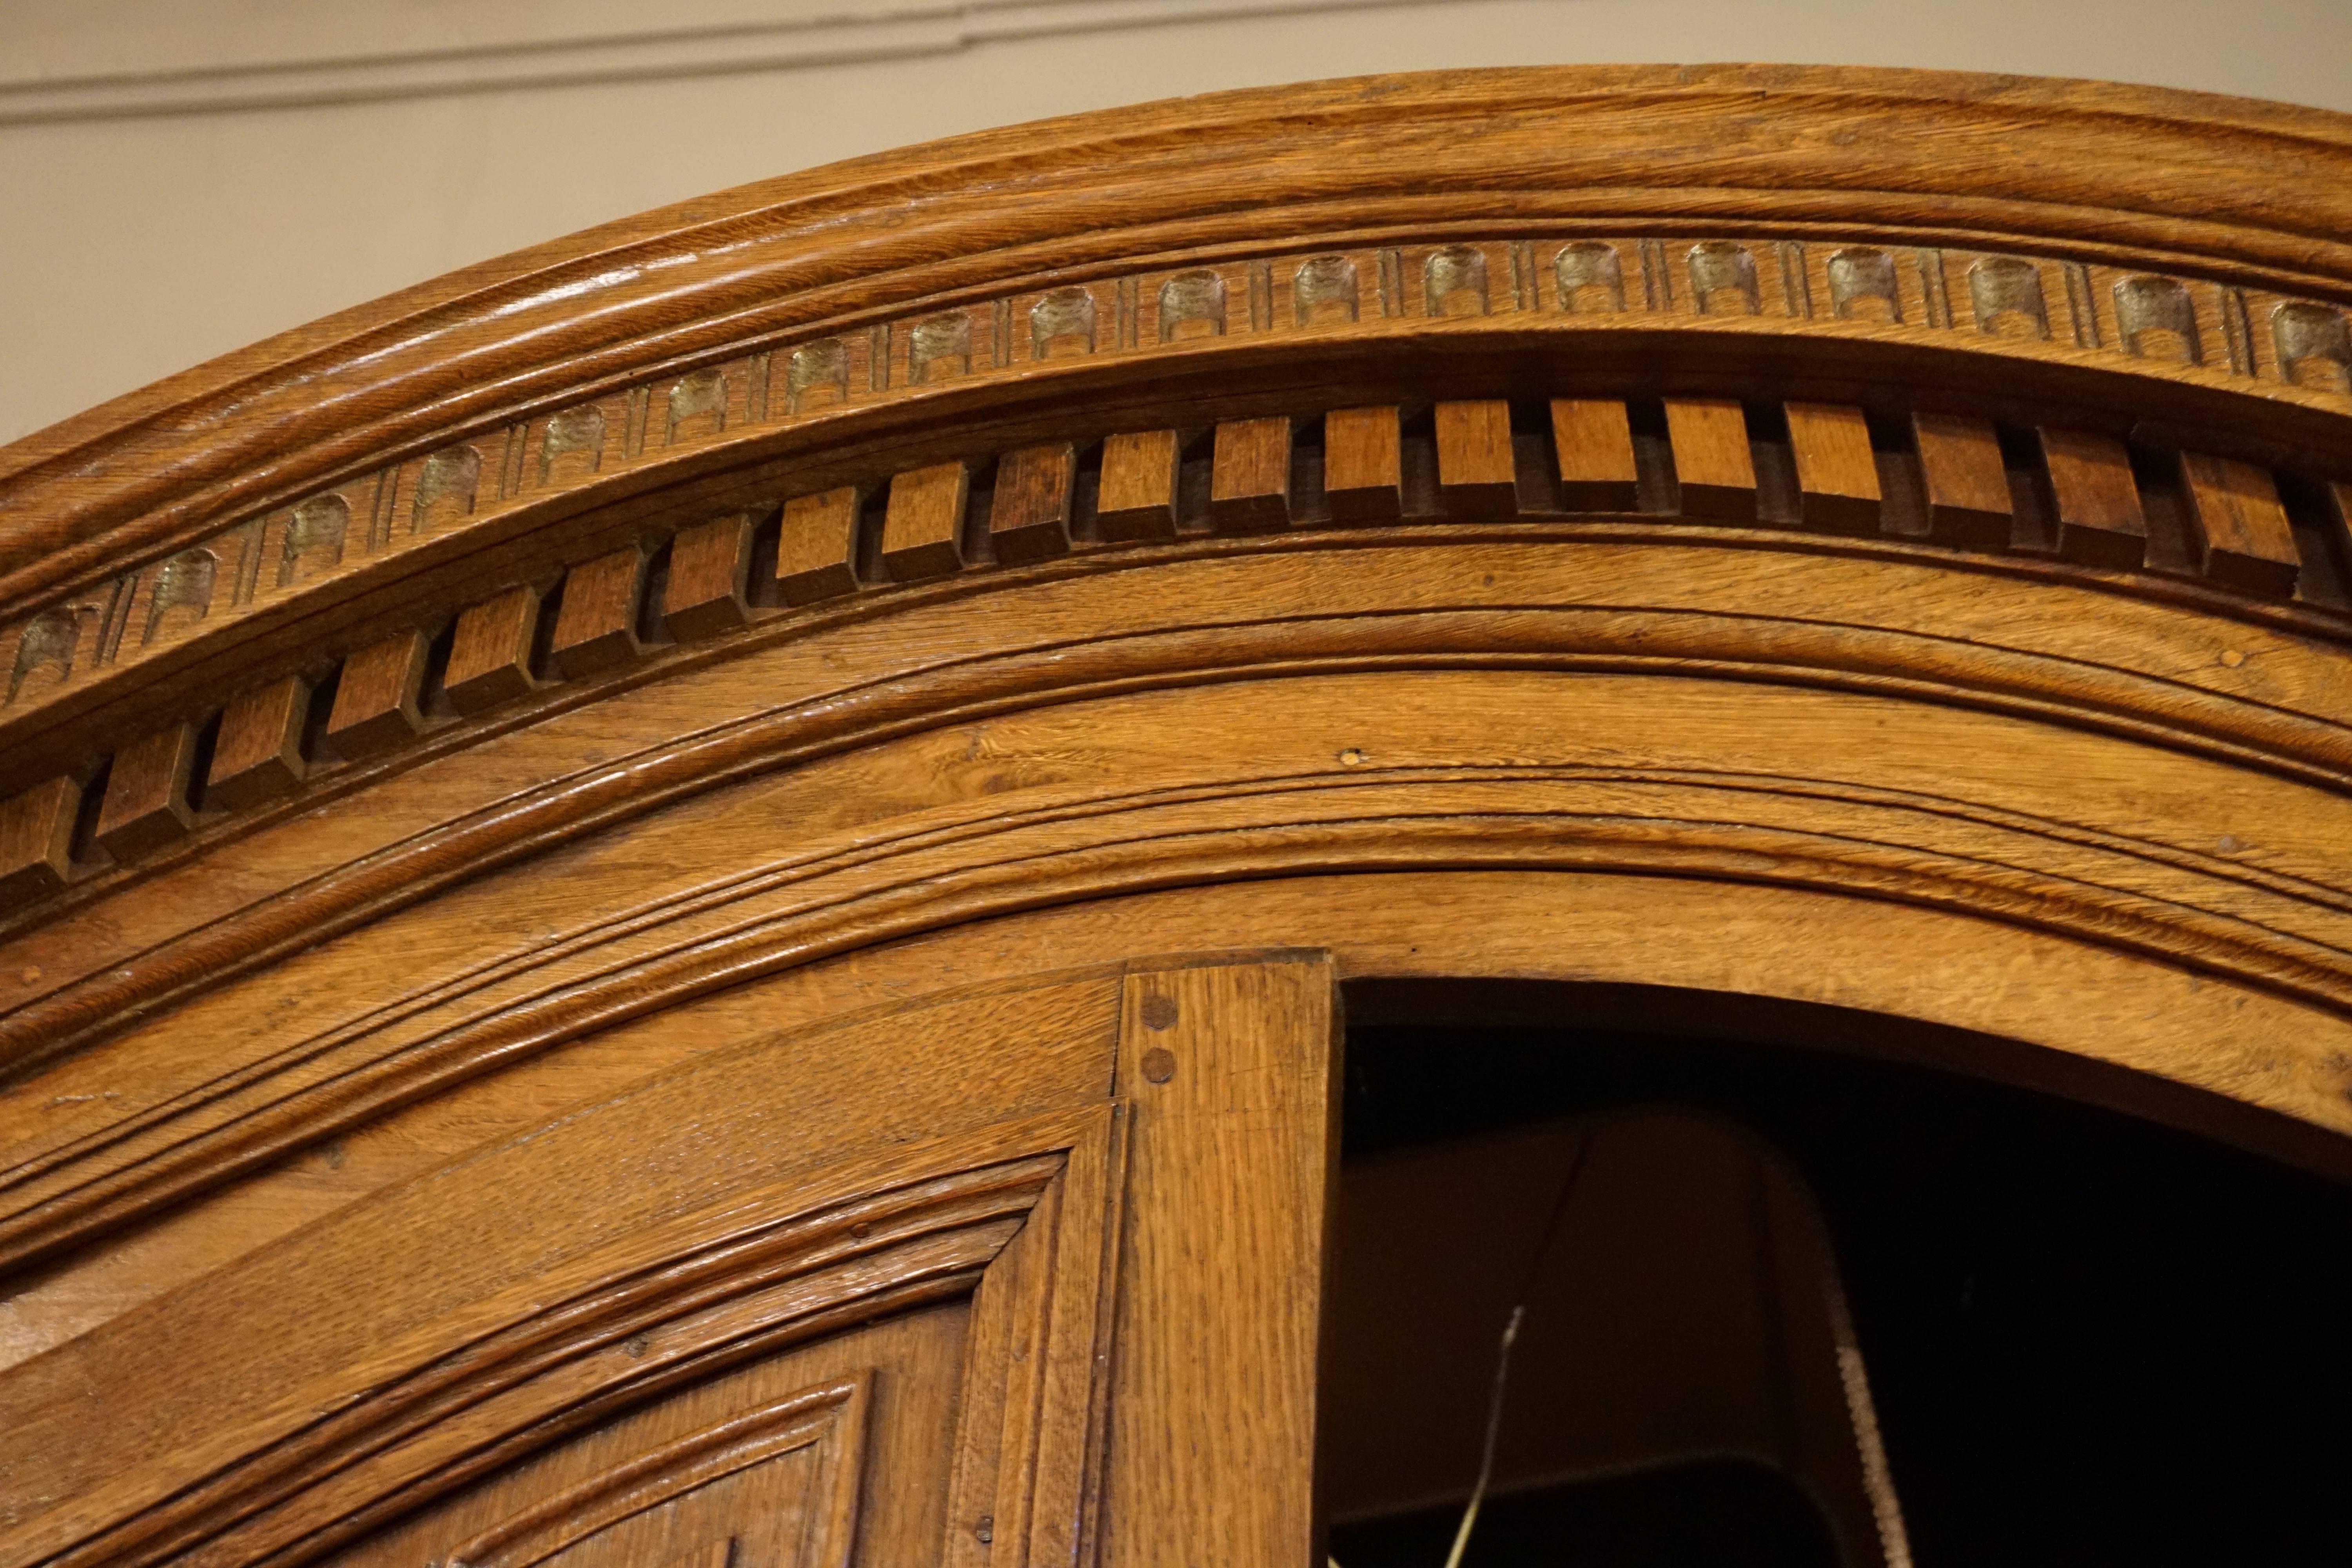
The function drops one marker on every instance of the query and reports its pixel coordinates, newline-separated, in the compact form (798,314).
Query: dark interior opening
(2090,1337)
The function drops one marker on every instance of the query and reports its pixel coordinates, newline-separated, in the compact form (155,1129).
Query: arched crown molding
(602,429)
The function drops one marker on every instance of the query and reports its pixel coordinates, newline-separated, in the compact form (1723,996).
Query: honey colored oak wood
(2243,533)
(2100,519)
(710,564)
(375,706)
(1139,486)
(922,530)
(1029,516)
(839,1067)
(816,550)
(491,652)
(1968,500)
(1249,484)
(1837,476)
(37,837)
(596,628)
(259,751)
(146,803)
(1713,465)
(1597,471)
(1230,1068)
(1475,474)
(1363,474)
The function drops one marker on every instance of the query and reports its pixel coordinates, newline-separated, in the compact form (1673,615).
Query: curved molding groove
(462,1393)
(2179,245)
(1924,498)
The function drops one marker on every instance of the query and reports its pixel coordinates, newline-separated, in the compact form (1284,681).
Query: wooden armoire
(690,899)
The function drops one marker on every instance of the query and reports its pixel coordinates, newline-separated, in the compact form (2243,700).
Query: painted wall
(181,177)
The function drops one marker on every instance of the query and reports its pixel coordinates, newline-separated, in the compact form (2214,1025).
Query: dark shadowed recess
(2104,1319)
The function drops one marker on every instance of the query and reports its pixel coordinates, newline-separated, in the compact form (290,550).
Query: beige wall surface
(181,177)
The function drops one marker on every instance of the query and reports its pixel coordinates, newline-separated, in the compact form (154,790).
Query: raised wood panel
(915,1328)
(821,1457)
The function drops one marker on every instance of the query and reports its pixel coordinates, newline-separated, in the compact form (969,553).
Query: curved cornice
(2229,187)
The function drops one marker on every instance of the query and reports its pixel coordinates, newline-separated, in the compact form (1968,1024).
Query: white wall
(181,177)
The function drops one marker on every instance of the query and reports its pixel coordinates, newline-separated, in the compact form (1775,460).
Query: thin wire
(1503,1354)
(1494,1426)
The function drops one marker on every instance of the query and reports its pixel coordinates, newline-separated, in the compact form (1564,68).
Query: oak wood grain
(1837,476)
(1476,476)
(1029,516)
(518,458)
(1249,484)
(1969,501)
(1139,487)
(490,652)
(375,698)
(259,752)
(35,839)
(709,565)
(2242,532)
(1594,441)
(1714,467)
(1363,474)
(922,529)
(654,960)
(761,1216)
(1231,1069)
(596,625)
(146,804)
(2100,520)
(816,548)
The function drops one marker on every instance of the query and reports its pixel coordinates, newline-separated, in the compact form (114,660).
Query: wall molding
(905,31)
